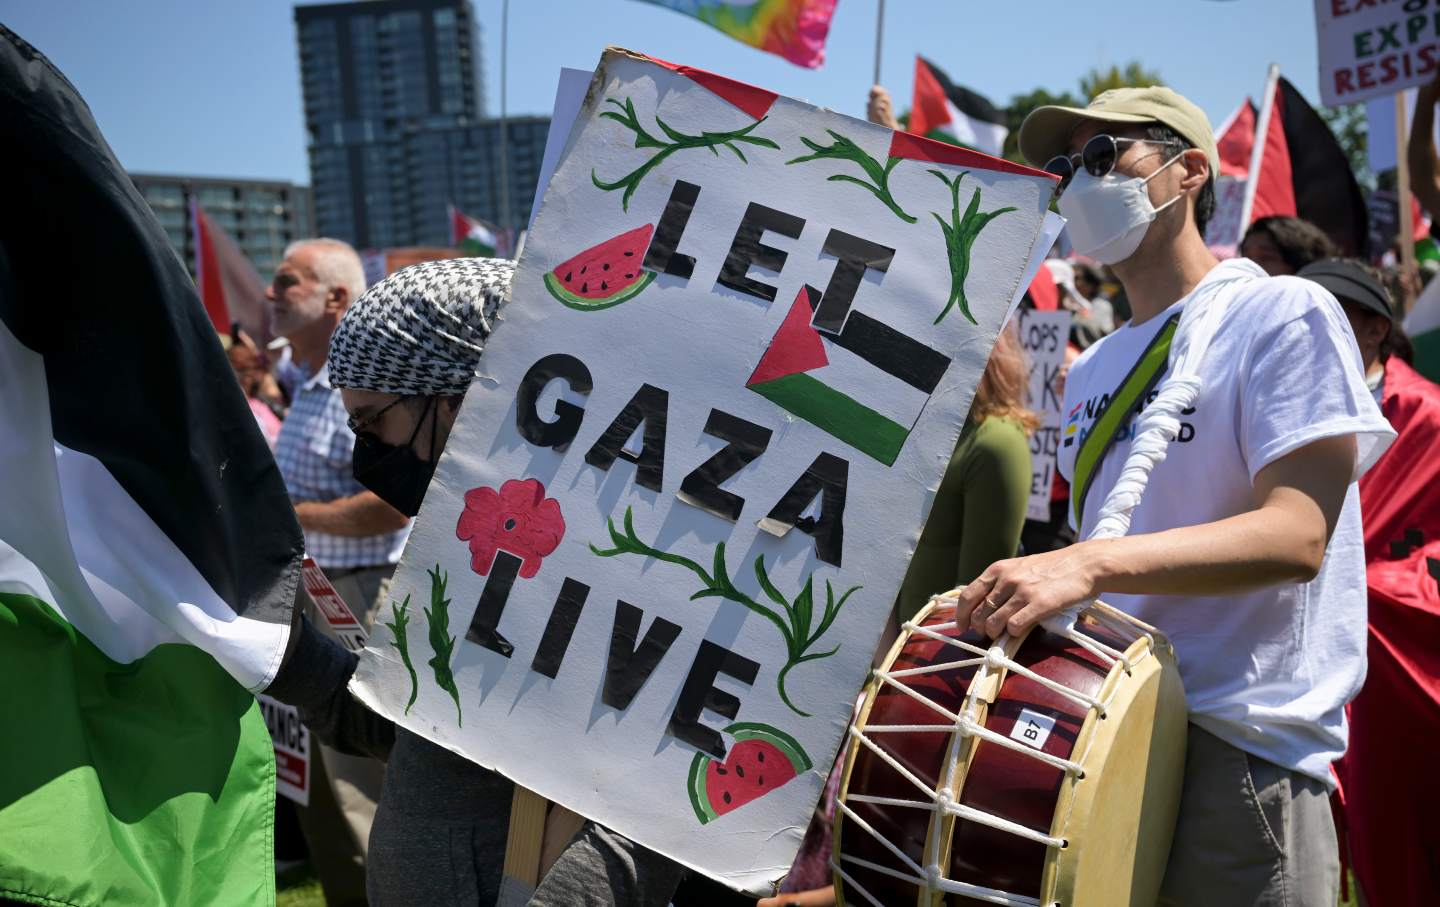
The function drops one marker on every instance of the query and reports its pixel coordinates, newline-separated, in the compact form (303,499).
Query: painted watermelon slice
(761,759)
(605,275)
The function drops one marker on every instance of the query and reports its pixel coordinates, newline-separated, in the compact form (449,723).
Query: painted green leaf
(795,623)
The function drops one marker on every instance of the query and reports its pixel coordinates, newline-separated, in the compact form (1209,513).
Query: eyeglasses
(1098,157)
(359,425)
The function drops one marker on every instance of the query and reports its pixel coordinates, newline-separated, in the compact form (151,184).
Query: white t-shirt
(1267,671)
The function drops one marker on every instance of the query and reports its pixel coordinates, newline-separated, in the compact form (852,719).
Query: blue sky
(212,87)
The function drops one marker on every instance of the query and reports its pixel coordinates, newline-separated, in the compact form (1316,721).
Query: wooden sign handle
(539,833)
(523,846)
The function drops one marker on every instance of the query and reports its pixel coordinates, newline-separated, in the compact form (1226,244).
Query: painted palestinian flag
(836,381)
(148,552)
(474,237)
(952,113)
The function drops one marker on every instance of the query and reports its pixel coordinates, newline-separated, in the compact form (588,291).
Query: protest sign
(675,509)
(291,740)
(339,619)
(1224,232)
(1043,336)
(1369,49)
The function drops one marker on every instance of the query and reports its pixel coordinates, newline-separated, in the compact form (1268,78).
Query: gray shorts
(1250,833)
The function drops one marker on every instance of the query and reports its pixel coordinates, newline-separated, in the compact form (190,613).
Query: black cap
(1349,282)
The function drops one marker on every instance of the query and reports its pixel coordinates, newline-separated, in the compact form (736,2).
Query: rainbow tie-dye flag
(793,29)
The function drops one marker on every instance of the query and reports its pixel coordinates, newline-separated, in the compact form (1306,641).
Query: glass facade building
(261,216)
(395,114)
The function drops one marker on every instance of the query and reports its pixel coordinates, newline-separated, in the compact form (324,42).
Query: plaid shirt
(313,453)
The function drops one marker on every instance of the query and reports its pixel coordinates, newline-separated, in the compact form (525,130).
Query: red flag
(1273,189)
(1044,292)
(1390,820)
(229,286)
(1235,141)
(207,272)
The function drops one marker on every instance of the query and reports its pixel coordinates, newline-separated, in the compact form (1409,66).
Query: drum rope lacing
(941,803)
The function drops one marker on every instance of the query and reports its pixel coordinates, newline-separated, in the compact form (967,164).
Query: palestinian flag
(1422,323)
(476,238)
(229,286)
(148,552)
(952,113)
(866,385)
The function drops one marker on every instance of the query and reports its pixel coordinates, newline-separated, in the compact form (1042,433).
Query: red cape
(1401,493)
(1388,795)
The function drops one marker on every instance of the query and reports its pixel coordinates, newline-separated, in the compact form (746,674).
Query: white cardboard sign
(1371,48)
(1043,336)
(680,497)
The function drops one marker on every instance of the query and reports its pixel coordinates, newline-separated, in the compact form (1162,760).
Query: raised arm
(1424,162)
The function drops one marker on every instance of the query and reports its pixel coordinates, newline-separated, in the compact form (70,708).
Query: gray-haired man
(350,532)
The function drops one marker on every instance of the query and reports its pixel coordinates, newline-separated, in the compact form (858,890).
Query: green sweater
(978,513)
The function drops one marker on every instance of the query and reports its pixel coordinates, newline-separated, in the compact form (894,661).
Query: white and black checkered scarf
(421,330)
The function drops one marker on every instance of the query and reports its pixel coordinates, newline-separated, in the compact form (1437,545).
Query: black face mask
(395,472)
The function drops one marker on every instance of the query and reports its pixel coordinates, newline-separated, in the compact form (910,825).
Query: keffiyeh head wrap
(421,330)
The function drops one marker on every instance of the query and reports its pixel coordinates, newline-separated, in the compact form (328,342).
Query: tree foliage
(1133,75)
(1352,130)
(1019,109)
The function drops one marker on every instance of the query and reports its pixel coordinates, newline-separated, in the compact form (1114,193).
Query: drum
(1040,770)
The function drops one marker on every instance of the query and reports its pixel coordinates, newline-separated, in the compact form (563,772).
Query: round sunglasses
(1098,157)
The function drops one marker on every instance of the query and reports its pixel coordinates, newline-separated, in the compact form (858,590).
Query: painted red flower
(518,519)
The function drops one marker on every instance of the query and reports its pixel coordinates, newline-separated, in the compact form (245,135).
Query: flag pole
(879,37)
(504,142)
(1403,203)
(1257,151)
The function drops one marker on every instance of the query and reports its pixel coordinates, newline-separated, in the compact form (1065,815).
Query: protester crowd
(410,822)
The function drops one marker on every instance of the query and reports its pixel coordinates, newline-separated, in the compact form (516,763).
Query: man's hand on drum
(1013,595)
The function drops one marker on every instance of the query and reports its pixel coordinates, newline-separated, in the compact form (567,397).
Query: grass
(298,888)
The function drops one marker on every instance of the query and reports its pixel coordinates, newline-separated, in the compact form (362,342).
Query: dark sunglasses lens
(1060,166)
(1099,155)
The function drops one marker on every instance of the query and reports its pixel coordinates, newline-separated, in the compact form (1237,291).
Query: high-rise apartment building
(379,77)
(462,167)
(261,216)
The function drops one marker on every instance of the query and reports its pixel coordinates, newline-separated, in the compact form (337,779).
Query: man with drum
(1245,548)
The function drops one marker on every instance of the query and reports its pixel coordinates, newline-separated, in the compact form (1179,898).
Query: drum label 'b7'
(1032,728)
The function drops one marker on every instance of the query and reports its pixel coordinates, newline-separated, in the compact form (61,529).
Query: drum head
(1119,819)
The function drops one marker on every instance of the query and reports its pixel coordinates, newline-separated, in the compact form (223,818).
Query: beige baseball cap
(1046,131)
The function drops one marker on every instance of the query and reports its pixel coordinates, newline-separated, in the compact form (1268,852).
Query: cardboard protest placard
(676,506)
(1370,49)
(1043,336)
(339,619)
(291,740)
(288,735)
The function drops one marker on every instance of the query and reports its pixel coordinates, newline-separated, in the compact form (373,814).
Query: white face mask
(1108,216)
